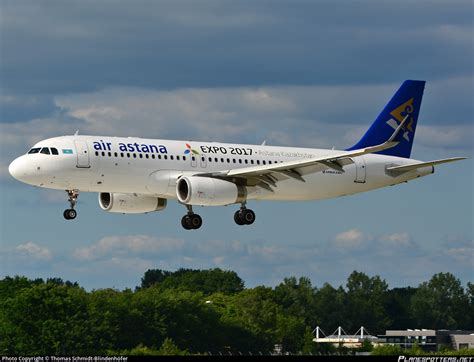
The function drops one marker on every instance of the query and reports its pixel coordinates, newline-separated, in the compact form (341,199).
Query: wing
(267,176)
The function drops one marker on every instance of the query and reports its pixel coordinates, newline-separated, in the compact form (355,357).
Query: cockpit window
(34,150)
(54,151)
(45,150)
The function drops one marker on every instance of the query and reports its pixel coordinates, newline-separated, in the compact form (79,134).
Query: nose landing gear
(191,220)
(70,214)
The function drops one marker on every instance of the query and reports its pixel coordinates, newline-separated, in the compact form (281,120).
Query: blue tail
(406,101)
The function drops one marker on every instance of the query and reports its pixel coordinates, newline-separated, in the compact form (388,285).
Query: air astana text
(130,147)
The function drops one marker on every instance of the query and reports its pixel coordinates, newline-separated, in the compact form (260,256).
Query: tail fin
(406,101)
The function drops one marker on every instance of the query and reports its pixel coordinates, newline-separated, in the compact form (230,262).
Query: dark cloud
(61,47)
(22,108)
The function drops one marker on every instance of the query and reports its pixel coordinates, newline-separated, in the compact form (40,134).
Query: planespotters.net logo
(189,150)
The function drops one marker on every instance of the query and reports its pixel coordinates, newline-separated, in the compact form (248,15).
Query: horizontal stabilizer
(406,168)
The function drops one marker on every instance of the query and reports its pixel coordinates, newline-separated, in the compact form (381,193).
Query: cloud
(350,239)
(165,45)
(397,239)
(32,250)
(449,137)
(128,245)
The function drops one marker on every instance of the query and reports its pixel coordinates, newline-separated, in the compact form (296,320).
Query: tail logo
(399,114)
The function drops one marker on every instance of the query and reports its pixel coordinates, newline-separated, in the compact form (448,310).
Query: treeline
(200,311)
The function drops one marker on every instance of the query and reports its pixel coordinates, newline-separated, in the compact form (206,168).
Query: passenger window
(166,157)
(34,150)
(115,154)
(184,158)
(177,158)
(171,157)
(258,162)
(263,162)
(45,150)
(97,153)
(141,156)
(251,161)
(54,151)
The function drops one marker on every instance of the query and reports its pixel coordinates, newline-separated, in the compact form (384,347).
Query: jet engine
(130,203)
(208,191)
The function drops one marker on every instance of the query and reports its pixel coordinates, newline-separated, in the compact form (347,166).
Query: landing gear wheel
(238,218)
(193,221)
(247,216)
(186,222)
(69,214)
(196,221)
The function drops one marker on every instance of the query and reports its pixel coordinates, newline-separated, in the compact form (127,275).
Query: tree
(45,319)
(440,303)
(330,304)
(205,281)
(398,304)
(297,297)
(366,299)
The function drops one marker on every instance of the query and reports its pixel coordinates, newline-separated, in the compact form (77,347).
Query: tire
(237,218)
(186,222)
(248,217)
(71,214)
(196,221)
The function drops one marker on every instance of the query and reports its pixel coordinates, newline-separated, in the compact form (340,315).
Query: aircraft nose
(17,168)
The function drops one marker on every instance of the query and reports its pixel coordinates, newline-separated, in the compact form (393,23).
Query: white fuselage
(152,167)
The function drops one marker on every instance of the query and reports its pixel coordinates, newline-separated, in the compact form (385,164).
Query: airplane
(138,175)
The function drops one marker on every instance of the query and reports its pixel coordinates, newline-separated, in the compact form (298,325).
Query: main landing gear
(244,216)
(191,220)
(70,214)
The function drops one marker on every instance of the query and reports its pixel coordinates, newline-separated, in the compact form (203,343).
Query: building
(429,339)
(426,339)
(340,338)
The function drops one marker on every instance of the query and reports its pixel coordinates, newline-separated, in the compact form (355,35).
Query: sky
(293,73)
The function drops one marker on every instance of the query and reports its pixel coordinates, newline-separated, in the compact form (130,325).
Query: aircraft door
(360,169)
(83,159)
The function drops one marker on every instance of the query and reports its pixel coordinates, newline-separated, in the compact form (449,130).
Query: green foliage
(388,350)
(192,312)
(204,281)
(365,304)
(441,303)
(168,348)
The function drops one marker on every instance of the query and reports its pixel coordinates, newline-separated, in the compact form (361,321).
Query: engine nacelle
(130,203)
(208,191)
